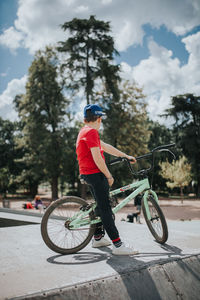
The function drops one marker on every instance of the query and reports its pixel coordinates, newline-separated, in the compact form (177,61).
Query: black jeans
(100,189)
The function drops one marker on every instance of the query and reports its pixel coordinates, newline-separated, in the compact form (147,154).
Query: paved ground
(29,267)
(173,209)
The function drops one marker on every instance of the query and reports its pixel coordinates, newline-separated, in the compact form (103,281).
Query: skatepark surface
(30,270)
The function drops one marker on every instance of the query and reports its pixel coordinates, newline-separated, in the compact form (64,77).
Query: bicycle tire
(160,238)
(55,216)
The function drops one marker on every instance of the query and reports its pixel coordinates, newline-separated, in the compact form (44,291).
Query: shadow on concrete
(4,222)
(93,257)
(79,258)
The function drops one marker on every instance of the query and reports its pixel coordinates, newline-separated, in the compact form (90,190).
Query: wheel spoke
(58,235)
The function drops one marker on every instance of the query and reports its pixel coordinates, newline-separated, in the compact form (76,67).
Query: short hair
(90,117)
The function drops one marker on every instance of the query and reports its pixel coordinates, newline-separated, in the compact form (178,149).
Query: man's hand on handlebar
(132,159)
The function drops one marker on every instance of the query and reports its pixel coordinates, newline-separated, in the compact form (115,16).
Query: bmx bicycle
(69,223)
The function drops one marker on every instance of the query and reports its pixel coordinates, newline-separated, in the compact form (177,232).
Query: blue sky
(14,65)
(155,51)
(134,54)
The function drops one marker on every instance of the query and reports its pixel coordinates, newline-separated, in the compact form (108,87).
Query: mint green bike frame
(82,217)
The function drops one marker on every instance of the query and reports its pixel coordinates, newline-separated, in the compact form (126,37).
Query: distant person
(28,205)
(136,215)
(138,204)
(38,203)
(131,217)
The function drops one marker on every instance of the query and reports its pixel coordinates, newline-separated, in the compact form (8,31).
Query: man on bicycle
(94,171)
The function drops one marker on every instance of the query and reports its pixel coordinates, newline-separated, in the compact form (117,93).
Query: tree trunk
(54,188)
(33,189)
(198,187)
(181,194)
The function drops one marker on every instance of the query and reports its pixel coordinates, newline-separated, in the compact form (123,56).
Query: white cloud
(82,9)
(37,22)
(127,36)
(11,38)
(162,76)
(14,87)
(106,2)
(192,45)
(191,71)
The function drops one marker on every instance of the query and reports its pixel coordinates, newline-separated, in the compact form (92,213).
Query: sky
(158,42)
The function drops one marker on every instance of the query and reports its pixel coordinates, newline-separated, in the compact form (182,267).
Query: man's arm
(99,161)
(114,151)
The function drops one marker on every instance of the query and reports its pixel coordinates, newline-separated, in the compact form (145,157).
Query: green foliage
(90,49)
(42,112)
(186,112)
(125,125)
(7,129)
(8,155)
(160,135)
(177,173)
(70,170)
(4,180)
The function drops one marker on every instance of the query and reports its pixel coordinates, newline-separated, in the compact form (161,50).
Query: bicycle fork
(145,199)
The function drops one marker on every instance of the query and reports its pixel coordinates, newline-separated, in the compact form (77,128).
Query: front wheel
(156,221)
(55,228)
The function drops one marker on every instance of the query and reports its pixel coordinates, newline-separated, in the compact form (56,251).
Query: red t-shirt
(87,139)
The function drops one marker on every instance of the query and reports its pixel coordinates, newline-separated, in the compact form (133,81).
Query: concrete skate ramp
(29,270)
(178,279)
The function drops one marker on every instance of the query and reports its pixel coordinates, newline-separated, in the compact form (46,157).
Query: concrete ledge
(21,212)
(178,279)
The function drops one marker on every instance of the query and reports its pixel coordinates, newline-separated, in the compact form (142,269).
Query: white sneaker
(101,243)
(123,250)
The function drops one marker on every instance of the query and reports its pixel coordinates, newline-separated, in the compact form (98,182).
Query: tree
(4,181)
(178,173)
(42,112)
(186,112)
(29,172)
(160,135)
(8,154)
(125,125)
(70,170)
(90,51)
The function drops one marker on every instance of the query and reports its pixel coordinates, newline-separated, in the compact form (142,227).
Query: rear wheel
(157,223)
(55,228)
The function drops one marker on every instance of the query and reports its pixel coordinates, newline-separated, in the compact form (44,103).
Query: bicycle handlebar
(157,149)
(163,147)
(150,154)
